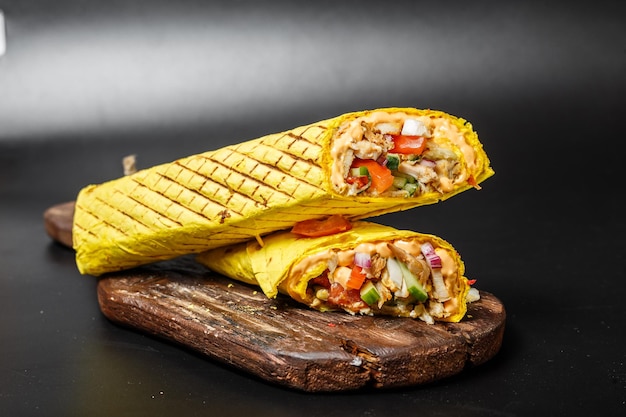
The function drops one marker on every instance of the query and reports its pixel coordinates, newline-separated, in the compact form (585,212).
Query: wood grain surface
(282,342)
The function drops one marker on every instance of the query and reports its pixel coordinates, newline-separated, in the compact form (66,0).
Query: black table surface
(82,84)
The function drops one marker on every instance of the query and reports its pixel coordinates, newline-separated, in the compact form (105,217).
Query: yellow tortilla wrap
(289,264)
(240,192)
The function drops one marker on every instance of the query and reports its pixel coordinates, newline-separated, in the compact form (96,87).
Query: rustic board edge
(347,362)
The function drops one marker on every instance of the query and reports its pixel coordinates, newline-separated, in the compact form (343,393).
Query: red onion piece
(362,259)
(431,256)
(428,163)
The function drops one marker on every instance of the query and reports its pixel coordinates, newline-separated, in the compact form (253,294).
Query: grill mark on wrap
(298,139)
(285,151)
(196,193)
(313,145)
(287,171)
(123,213)
(264,179)
(258,181)
(78,226)
(223,184)
(139,202)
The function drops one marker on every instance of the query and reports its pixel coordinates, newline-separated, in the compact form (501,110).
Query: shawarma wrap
(369,269)
(359,165)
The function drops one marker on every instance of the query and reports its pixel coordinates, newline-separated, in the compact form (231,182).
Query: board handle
(58,221)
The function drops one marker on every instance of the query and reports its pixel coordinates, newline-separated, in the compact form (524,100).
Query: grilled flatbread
(358,165)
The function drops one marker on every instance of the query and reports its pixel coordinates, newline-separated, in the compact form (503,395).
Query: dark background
(84,83)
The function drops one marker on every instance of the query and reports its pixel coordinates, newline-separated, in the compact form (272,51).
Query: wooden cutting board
(283,342)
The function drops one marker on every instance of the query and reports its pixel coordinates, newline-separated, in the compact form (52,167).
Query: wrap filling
(405,277)
(397,154)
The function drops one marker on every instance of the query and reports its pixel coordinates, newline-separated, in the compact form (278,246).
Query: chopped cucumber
(405,182)
(399,182)
(409,178)
(412,284)
(410,188)
(393,161)
(369,293)
(359,172)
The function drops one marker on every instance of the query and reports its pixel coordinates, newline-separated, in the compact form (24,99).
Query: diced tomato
(381,176)
(357,276)
(471,281)
(409,145)
(322,227)
(345,297)
(472,181)
(361,180)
